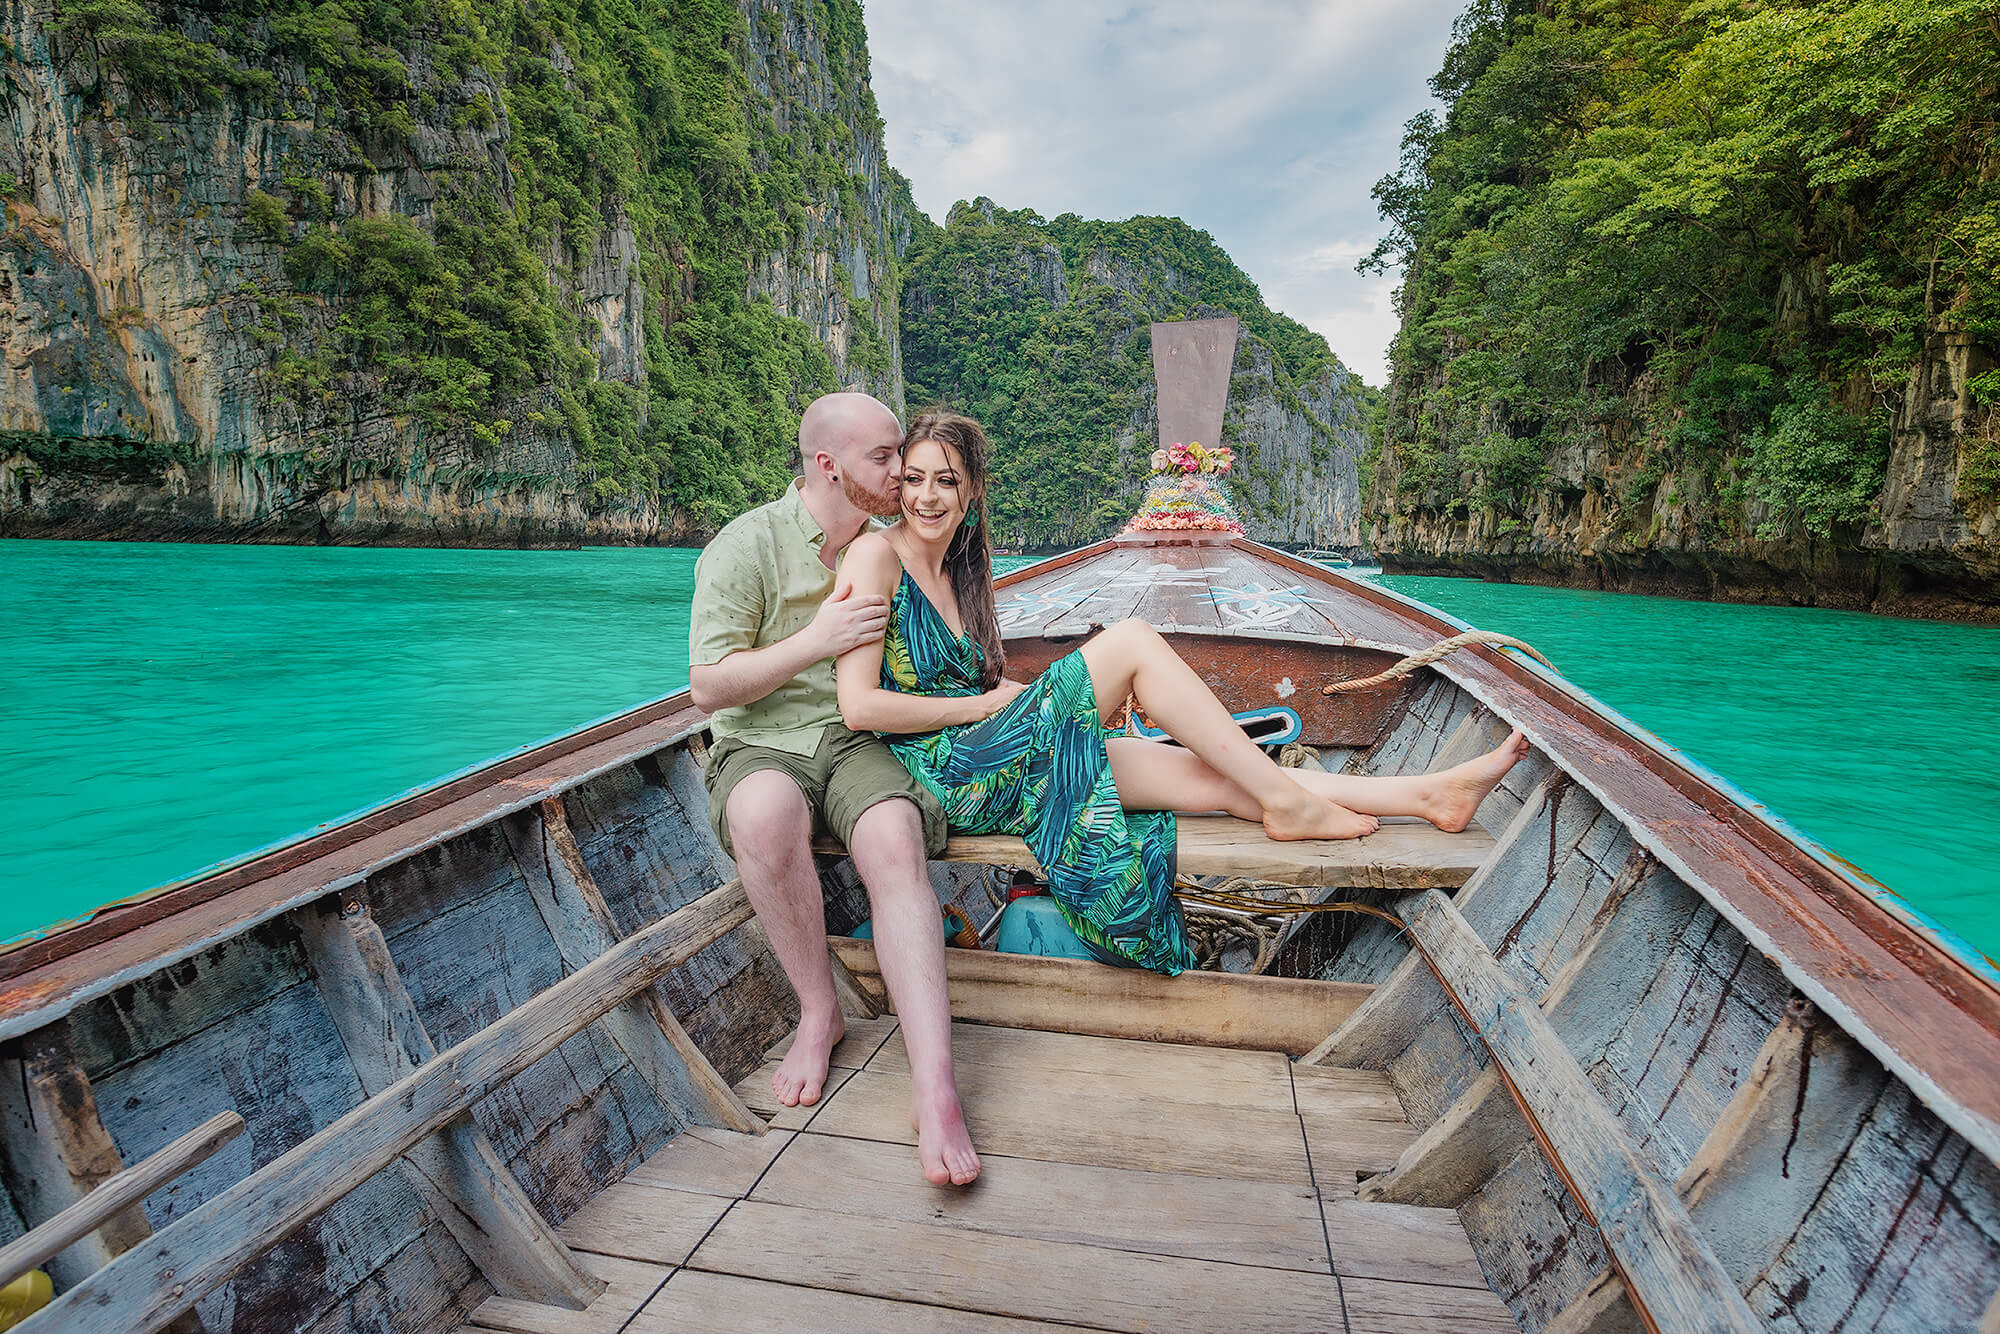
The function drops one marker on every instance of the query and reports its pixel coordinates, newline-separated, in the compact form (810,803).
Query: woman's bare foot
(944,1146)
(801,1077)
(1312,816)
(1456,792)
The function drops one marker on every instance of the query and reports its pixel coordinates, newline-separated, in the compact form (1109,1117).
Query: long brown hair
(968,561)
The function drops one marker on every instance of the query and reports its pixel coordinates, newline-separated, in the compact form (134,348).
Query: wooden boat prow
(1625,1055)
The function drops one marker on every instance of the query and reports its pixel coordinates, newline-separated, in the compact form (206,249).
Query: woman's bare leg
(1152,775)
(1130,658)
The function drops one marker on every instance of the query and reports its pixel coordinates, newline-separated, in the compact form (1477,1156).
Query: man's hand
(1001,695)
(848,619)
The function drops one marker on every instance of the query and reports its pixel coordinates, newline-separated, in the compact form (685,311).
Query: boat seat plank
(1079,996)
(628,1286)
(1346,1149)
(710,1162)
(726,1304)
(1165,1071)
(1037,1115)
(1272,1224)
(1402,854)
(1061,1281)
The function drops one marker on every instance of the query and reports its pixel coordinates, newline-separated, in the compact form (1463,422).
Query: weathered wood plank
(55,1150)
(226,1232)
(1361,1095)
(643,1028)
(457,1171)
(1054,1118)
(1652,1241)
(1272,1224)
(1077,996)
(726,1304)
(1482,1130)
(1062,1281)
(635,1221)
(1399,855)
(711,1162)
(629,1284)
(1392,1017)
(1401,1244)
(114,1195)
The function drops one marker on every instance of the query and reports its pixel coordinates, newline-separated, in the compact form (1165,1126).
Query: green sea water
(167,707)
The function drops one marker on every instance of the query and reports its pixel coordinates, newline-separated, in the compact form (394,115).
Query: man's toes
(936,1172)
(809,1093)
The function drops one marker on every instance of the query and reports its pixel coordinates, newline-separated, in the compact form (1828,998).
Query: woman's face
(934,493)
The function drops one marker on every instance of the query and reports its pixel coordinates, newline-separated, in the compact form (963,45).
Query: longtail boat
(1625,1054)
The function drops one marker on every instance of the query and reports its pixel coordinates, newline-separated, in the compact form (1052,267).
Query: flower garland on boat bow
(1187,492)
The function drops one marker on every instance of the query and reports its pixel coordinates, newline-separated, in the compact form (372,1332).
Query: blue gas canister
(1032,924)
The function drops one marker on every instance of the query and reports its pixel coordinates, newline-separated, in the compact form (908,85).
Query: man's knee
(768,816)
(889,839)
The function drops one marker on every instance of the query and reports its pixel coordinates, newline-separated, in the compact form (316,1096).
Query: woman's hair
(968,561)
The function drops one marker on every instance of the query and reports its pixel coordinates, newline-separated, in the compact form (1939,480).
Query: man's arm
(749,674)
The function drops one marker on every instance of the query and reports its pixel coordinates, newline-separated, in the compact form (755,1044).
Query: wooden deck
(1127,1186)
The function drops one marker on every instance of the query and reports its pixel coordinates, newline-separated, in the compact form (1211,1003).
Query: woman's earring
(972,517)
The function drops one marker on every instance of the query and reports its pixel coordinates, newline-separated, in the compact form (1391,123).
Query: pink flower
(1180,457)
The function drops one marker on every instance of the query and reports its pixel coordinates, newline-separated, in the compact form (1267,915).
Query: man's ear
(824,464)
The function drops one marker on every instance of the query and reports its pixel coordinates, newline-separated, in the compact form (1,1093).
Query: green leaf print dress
(1038,768)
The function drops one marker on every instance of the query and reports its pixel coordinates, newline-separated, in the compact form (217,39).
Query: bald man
(763,635)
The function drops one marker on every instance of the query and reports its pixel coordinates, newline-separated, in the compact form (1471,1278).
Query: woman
(1035,760)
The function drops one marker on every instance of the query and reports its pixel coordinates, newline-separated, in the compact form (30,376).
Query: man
(762,637)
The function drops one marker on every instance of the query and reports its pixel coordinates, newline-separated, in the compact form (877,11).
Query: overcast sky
(1262,122)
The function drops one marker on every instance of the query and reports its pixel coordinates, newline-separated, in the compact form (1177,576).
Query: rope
(1431,655)
(1221,915)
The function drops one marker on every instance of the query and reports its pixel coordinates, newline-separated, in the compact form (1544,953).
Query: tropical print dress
(1038,769)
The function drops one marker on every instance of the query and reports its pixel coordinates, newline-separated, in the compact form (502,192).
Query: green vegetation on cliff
(1041,329)
(619,115)
(1717,231)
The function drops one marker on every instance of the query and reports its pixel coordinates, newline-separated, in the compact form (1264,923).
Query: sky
(1263,123)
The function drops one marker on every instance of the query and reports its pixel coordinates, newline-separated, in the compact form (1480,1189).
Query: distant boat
(1624,1016)
(1332,558)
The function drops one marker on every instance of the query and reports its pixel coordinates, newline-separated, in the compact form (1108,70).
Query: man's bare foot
(1312,816)
(1456,792)
(801,1077)
(943,1145)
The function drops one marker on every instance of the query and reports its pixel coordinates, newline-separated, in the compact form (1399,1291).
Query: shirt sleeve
(728,606)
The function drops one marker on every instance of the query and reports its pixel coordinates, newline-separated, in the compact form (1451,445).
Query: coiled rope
(1430,655)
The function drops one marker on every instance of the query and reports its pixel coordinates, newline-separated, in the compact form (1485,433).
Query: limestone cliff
(216,328)
(1040,329)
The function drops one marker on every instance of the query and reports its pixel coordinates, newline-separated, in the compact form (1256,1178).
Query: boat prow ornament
(1187,500)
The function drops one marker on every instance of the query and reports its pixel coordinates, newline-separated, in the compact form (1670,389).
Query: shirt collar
(795,504)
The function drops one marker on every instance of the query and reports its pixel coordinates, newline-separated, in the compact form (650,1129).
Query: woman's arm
(872,568)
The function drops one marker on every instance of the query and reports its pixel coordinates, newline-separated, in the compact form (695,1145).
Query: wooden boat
(1623,1055)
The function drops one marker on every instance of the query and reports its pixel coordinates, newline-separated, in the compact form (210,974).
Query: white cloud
(1262,122)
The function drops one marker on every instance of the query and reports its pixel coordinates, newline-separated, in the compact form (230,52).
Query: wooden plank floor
(1127,1186)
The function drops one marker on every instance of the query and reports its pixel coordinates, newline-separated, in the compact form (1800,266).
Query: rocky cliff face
(1041,329)
(1609,515)
(166,376)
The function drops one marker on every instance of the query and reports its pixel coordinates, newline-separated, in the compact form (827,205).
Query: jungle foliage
(1723,229)
(1041,330)
(614,113)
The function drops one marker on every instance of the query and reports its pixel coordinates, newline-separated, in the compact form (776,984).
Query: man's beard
(880,504)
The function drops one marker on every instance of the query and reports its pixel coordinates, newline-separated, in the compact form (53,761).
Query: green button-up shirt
(760,581)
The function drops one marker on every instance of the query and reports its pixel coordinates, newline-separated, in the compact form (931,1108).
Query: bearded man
(763,635)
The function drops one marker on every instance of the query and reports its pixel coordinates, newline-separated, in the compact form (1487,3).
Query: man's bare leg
(770,828)
(888,850)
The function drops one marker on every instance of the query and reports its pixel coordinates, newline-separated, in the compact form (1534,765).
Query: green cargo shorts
(849,772)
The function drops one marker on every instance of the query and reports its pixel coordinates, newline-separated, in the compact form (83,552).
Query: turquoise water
(1877,737)
(167,707)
